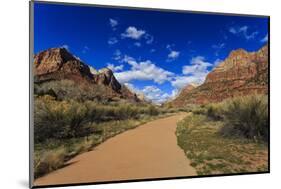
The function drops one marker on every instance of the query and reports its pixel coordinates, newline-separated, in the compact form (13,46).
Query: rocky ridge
(59,64)
(241,73)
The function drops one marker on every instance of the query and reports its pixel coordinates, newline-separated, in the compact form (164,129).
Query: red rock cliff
(241,73)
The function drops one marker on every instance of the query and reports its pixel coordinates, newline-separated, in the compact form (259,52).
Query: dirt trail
(149,151)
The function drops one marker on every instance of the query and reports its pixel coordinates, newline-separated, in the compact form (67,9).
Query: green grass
(211,153)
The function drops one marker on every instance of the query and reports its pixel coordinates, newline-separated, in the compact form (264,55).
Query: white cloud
(143,70)
(132,88)
(217,62)
(149,38)
(169,46)
(117,55)
(195,72)
(93,70)
(232,30)
(138,44)
(133,33)
(173,55)
(151,93)
(198,66)
(265,39)
(218,48)
(181,81)
(112,41)
(113,23)
(155,94)
(174,94)
(243,31)
(115,68)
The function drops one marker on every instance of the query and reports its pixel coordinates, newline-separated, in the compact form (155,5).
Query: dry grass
(210,153)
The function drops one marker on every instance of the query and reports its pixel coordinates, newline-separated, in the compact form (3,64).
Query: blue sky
(152,52)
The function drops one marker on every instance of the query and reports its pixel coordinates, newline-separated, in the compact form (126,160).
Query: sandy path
(149,151)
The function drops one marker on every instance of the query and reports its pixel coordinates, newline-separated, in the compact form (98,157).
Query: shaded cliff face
(241,73)
(58,64)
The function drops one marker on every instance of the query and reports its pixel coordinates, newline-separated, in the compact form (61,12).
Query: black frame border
(31,124)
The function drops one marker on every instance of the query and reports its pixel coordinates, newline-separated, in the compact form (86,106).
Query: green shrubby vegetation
(227,137)
(246,117)
(242,116)
(67,89)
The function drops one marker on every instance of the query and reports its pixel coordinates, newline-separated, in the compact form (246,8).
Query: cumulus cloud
(132,88)
(174,94)
(112,41)
(113,23)
(115,68)
(195,72)
(155,94)
(143,70)
(133,33)
(172,53)
(198,66)
(243,31)
(217,62)
(265,39)
(181,81)
(149,38)
(151,93)
(117,55)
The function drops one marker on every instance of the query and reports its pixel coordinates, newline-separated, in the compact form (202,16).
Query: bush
(214,111)
(246,117)
(199,110)
(49,161)
(71,118)
(67,89)
(59,119)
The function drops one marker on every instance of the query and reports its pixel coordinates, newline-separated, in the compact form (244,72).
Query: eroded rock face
(58,64)
(241,73)
(105,76)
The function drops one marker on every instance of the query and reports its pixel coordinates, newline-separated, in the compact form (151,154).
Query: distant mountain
(241,73)
(58,64)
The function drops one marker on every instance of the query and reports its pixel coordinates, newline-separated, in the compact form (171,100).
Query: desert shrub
(49,161)
(214,111)
(246,117)
(71,118)
(152,110)
(59,119)
(199,110)
(67,89)
(188,108)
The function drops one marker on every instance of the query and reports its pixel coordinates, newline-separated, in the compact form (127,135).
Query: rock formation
(59,64)
(241,73)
